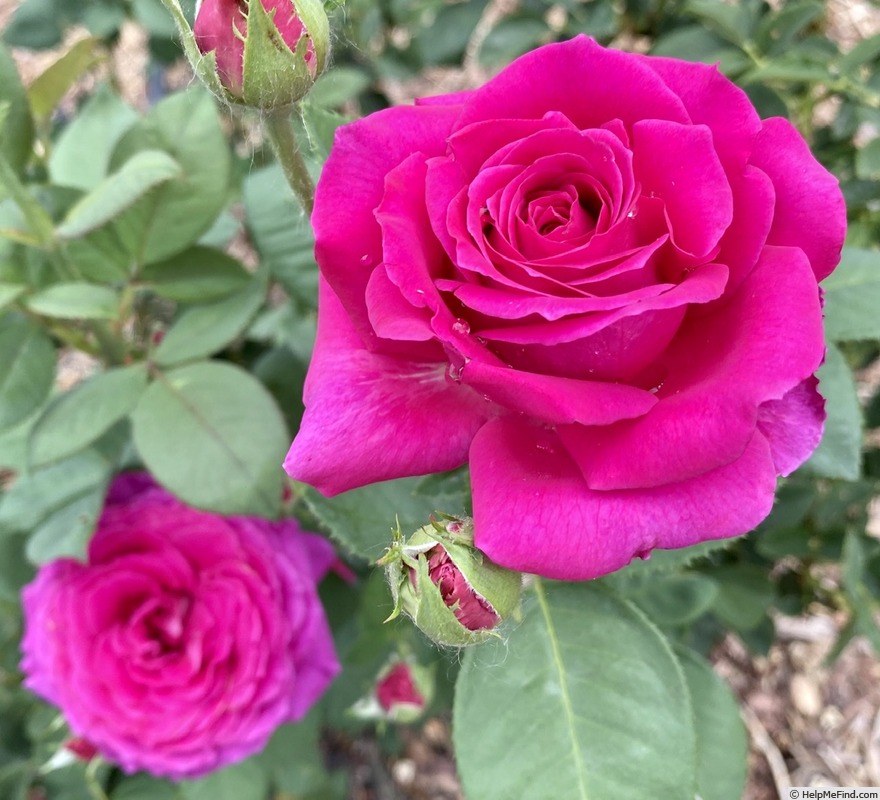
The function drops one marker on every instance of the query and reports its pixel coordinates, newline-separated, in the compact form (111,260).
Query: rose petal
(721,367)
(753,210)
(533,511)
(614,86)
(793,425)
(557,400)
(713,100)
(351,187)
(400,417)
(810,210)
(679,164)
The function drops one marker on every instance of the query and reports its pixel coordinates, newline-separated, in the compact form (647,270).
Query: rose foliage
(186,639)
(604,300)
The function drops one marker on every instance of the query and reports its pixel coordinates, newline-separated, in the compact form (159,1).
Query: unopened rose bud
(402,692)
(397,688)
(452,592)
(261,53)
(70,751)
(83,749)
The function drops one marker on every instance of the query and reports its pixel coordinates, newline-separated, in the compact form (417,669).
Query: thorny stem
(281,136)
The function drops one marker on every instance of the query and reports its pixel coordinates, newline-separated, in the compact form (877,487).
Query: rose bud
(452,592)
(83,749)
(70,751)
(402,692)
(262,54)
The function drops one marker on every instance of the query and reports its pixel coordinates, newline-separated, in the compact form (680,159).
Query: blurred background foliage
(149,244)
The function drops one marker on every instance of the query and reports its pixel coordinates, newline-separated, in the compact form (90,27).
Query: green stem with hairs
(281,136)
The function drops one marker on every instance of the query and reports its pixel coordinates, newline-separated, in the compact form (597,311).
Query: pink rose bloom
(186,639)
(595,280)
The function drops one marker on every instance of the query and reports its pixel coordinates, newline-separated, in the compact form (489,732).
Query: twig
(495,11)
(766,746)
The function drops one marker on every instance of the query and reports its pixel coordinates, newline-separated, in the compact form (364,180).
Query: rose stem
(281,136)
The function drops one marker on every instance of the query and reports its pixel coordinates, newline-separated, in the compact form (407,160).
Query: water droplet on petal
(365,259)
(454,372)
(461,326)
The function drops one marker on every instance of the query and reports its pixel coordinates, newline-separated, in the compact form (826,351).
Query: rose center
(562,214)
(164,624)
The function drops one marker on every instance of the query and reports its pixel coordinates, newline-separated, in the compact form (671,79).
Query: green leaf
(722,746)
(244,781)
(81,156)
(863,604)
(58,505)
(364,518)
(229,429)
(734,23)
(67,530)
(103,18)
(594,702)
(444,39)
(788,69)
(100,256)
(784,532)
(39,223)
(117,193)
(17,130)
(868,161)
(176,214)
(839,454)
(53,82)
(864,52)
(695,43)
(27,367)
(320,128)
(77,418)
(852,297)
(778,31)
(15,571)
(144,787)
(281,233)
(154,18)
(744,595)
(196,275)
(293,758)
(75,301)
(9,293)
(676,600)
(204,330)
(35,25)
(339,85)
(512,37)
(14,441)
(672,560)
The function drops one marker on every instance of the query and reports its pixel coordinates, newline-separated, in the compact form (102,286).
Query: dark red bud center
(397,687)
(471,610)
(83,749)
